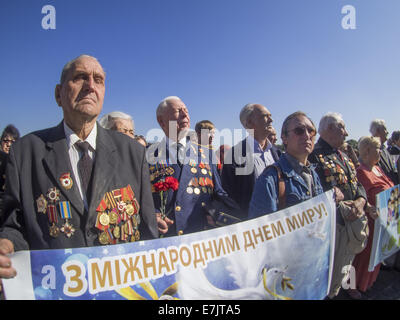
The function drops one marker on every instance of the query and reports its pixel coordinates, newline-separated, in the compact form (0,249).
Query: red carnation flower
(172,183)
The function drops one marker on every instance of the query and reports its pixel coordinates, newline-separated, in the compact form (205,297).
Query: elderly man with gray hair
(118,121)
(378,129)
(245,162)
(337,171)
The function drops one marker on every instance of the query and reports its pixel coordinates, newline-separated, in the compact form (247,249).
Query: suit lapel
(104,168)
(58,163)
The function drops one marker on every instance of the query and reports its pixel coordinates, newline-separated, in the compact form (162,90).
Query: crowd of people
(121,188)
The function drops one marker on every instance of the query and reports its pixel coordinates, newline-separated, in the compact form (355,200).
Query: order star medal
(41,203)
(65,212)
(66,180)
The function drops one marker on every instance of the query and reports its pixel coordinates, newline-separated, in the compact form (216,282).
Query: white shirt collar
(171,142)
(257,148)
(72,137)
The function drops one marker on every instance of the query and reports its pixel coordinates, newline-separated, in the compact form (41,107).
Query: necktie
(85,165)
(180,153)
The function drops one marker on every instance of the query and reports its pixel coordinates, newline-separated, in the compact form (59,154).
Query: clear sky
(217,55)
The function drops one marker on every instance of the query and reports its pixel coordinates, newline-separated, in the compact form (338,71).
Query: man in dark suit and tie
(76,184)
(248,159)
(192,166)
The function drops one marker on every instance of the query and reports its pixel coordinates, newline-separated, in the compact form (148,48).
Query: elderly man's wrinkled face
(125,126)
(6,143)
(82,94)
(300,137)
(337,132)
(177,115)
(382,133)
(261,121)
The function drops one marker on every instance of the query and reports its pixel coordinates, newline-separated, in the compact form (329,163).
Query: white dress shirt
(75,154)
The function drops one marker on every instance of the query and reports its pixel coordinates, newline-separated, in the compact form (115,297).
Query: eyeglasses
(7,141)
(299,131)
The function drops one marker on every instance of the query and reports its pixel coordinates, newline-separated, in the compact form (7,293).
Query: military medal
(65,212)
(66,180)
(54,231)
(196,190)
(116,232)
(114,217)
(189,190)
(103,238)
(129,209)
(53,194)
(104,219)
(41,203)
(67,229)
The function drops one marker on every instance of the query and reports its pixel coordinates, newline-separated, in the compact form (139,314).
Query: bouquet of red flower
(163,186)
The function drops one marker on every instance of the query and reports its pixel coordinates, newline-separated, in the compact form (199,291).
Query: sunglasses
(299,131)
(8,141)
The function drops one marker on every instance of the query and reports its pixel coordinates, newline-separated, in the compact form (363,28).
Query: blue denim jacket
(265,195)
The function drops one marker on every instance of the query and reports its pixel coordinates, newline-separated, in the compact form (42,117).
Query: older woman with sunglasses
(301,182)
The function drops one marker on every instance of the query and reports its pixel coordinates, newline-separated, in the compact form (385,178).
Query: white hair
(375,125)
(245,113)
(107,121)
(328,119)
(164,103)
(69,64)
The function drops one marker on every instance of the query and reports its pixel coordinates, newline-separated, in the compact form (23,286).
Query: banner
(285,255)
(386,240)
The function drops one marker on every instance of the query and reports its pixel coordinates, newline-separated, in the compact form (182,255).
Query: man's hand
(163,224)
(6,270)
(338,194)
(356,209)
(372,211)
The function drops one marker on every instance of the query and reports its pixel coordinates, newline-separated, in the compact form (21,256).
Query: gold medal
(130,209)
(103,238)
(196,190)
(193,170)
(104,219)
(203,171)
(54,231)
(137,235)
(117,232)
(113,217)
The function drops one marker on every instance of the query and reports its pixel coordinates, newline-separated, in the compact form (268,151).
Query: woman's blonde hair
(366,143)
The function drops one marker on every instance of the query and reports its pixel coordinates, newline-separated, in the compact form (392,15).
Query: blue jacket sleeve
(264,199)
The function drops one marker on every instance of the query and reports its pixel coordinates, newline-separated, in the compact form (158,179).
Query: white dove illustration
(253,282)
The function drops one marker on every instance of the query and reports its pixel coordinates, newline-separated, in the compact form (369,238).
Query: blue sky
(217,55)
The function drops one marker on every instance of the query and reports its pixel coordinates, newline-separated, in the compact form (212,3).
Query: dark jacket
(198,181)
(39,160)
(334,168)
(240,186)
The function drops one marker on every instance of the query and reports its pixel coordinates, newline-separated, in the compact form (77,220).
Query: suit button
(178,208)
(180,232)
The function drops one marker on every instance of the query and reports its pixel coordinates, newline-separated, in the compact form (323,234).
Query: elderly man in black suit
(248,159)
(76,184)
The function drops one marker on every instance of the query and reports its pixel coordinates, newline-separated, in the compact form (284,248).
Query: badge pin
(66,181)
(41,203)
(53,194)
